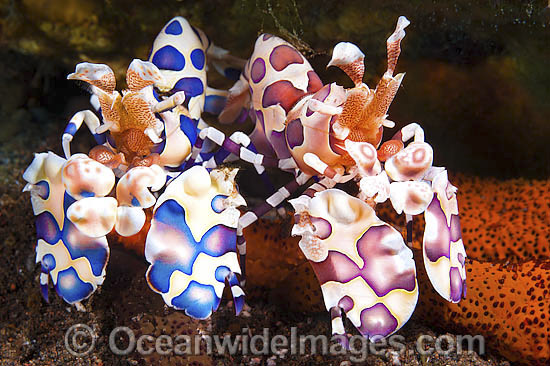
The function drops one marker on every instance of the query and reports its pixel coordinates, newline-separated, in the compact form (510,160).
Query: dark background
(477,72)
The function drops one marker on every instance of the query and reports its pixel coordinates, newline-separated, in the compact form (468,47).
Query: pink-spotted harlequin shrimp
(335,135)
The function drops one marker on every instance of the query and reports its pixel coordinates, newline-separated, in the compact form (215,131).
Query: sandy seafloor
(32,331)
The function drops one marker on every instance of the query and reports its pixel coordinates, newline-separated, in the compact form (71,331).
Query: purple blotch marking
(439,246)
(314,83)
(281,92)
(346,303)
(461,258)
(377,321)
(278,142)
(257,72)
(323,228)
(321,95)
(266,36)
(260,117)
(377,259)
(456,232)
(294,133)
(456,284)
(282,56)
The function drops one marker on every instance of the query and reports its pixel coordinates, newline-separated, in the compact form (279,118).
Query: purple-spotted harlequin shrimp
(362,263)
(335,135)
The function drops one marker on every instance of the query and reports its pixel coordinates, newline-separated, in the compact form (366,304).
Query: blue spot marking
(189,128)
(48,263)
(44,292)
(159,274)
(217,203)
(233,280)
(70,129)
(221,273)
(191,86)
(78,290)
(198,300)
(87,194)
(156,95)
(159,148)
(78,245)
(45,185)
(214,104)
(197,58)
(239,303)
(46,228)
(232,74)
(169,58)
(217,241)
(135,202)
(174,28)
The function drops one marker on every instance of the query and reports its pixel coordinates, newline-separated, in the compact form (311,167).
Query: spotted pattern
(190,85)
(193,254)
(506,303)
(360,247)
(441,246)
(294,133)
(282,56)
(174,28)
(169,58)
(257,72)
(281,92)
(75,262)
(198,58)
(377,259)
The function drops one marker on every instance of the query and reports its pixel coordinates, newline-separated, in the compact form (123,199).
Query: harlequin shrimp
(335,135)
(321,133)
(143,142)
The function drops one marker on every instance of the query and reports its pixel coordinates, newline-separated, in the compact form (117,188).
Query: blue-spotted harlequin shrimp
(143,142)
(73,217)
(191,244)
(180,51)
